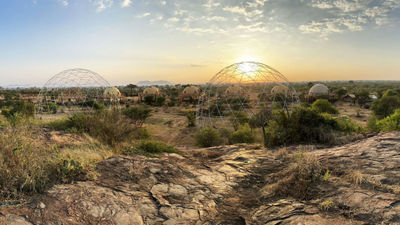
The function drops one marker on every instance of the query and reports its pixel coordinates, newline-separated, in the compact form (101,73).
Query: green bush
(141,134)
(390,123)
(191,117)
(238,118)
(324,106)
(160,101)
(305,125)
(137,114)
(208,137)
(243,135)
(18,110)
(385,106)
(150,148)
(149,100)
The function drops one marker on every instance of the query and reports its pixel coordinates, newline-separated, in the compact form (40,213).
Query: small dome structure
(151,91)
(191,92)
(234,91)
(318,90)
(280,90)
(112,93)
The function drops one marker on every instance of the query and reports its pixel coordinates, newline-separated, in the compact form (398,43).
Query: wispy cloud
(126,3)
(102,4)
(63,2)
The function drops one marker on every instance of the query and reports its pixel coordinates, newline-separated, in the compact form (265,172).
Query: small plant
(356,177)
(208,137)
(191,117)
(243,135)
(327,205)
(358,113)
(69,170)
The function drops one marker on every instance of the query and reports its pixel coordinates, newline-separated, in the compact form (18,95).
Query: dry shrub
(299,180)
(27,164)
(356,177)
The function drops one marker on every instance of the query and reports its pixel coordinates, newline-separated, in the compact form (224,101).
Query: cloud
(143,15)
(126,3)
(101,5)
(63,2)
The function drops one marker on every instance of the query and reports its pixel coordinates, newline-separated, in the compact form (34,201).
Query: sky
(189,41)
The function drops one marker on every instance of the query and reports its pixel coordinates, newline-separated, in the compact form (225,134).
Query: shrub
(238,118)
(191,117)
(385,106)
(305,125)
(110,127)
(390,123)
(208,137)
(18,110)
(141,134)
(149,100)
(362,97)
(150,148)
(160,101)
(242,135)
(324,106)
(138,114)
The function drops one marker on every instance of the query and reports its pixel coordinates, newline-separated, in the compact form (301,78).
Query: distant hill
(154,83)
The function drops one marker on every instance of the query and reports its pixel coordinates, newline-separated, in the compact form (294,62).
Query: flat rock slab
(224,190)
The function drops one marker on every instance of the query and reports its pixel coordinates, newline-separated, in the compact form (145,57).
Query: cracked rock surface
(225,188)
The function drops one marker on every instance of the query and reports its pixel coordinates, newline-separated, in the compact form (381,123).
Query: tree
(131,87)
(341,92)
(138,114)
(385,106)
(362,97)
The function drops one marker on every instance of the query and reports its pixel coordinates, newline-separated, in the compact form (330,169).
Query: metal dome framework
(72,91)
(242,87)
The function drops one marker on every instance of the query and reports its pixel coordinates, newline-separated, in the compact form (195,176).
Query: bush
(25,166)
(208,137)
(324,106)
(385,106)
(137,114)
(150,148)
(149,100)
(238,118)
(191,117)
(242,135)
(18,110)
(305,125)
(141,134)
(390,123)
(160,101)
(110,127)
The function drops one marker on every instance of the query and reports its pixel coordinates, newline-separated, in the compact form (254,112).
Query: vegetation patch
(150,148)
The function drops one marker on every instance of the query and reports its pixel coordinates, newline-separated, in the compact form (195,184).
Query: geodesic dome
(318,90)
(151,91)
(242,87)
(191,92)
(112,94)
(280,90)
(70,91)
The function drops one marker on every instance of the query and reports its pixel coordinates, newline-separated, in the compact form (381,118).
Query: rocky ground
(227,185)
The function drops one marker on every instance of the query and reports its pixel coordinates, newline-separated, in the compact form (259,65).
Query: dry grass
(356,177)
(299,180)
